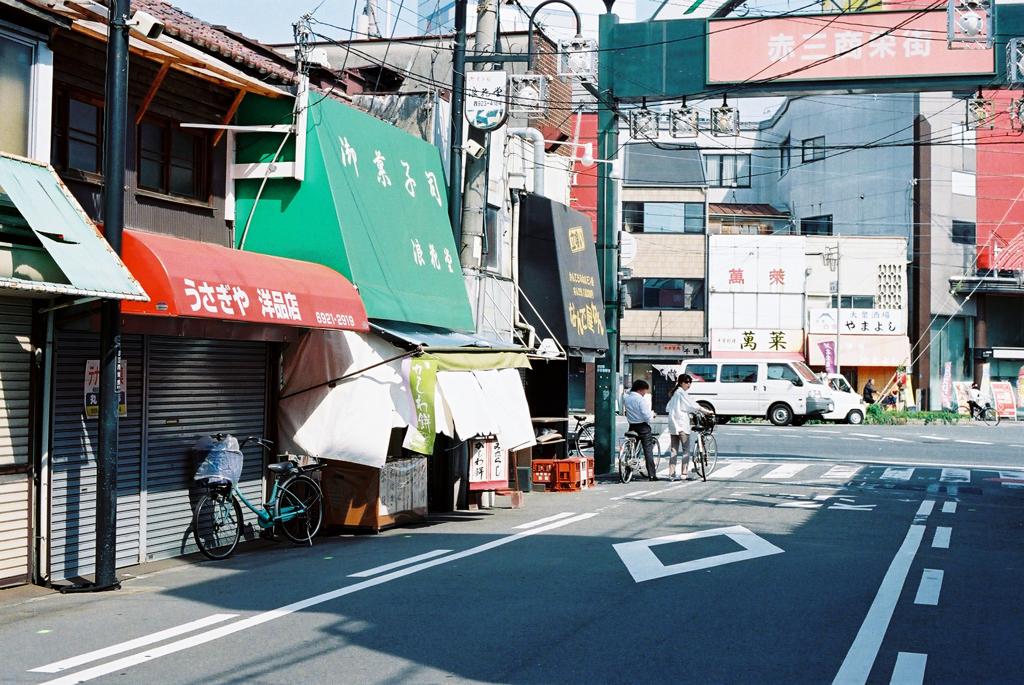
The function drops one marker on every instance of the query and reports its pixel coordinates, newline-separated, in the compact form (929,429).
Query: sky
(270,22)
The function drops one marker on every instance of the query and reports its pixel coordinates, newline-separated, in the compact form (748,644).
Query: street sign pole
(607,254)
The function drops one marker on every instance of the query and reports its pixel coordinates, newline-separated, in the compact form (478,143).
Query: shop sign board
(1002,397)
(962,392)
(757,340)
(817,47)
(92,388)
(858,321)
(487,465)
(756,264)
(486,99)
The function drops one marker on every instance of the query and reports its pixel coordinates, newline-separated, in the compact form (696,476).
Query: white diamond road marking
(841,472)
(785,471)
(955,476)
(643,565)
(897,474)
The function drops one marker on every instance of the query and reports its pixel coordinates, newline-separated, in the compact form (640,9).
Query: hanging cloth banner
(828,351)
(1020,387)
(420,376)
(947,385)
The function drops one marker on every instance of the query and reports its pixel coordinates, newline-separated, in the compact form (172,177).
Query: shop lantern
(576,59)
(969,25)
(528,95)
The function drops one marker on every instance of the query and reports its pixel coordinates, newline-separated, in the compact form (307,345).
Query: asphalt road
(809,557)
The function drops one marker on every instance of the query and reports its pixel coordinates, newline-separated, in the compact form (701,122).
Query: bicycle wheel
(300,509)
(990,416)
(625,457)
(711,452)
(656,453)
(217,524)
(585,440)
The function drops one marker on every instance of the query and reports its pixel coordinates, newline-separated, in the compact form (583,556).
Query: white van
(850,406)
(784,392)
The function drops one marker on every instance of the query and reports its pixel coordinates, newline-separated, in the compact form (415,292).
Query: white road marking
(897,474)
(854,439)
(865,435)
(949,507)
(909,669)
(652,493)
(541,522)
(745,430)
(643,565)
(955,476)
(897,439)
(800,505)
(861,657)
(785,471)
(825,430)
(841,472)
(58,666)
(632,494)
(259,619)
(734,469)
(928,590)
(400,563)
(852,507)
(924,511)
(934,437)
(974,442)
(942,535)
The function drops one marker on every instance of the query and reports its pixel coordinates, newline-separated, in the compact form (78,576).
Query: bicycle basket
(222,461)
(705,423)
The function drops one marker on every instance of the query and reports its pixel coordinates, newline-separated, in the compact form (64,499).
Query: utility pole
(114,159)
(458,115)
(474,204)
(607,251)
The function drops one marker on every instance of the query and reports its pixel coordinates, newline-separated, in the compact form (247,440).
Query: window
(663,217)
(785,156)
(739,373)
(816,225)
(492,239)
(783,372)
(963,232)
(703,373)
(812,149)
(854,302)
(77,133)
(172,160)
(727,171)
(16,93)
(665,293)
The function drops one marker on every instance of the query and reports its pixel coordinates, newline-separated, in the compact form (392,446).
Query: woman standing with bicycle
(680,406)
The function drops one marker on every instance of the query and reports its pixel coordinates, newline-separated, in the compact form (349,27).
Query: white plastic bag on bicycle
(222,462)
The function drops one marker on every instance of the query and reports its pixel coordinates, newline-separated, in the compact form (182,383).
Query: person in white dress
(680,406)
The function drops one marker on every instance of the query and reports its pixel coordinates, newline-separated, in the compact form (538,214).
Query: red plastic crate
(544,471)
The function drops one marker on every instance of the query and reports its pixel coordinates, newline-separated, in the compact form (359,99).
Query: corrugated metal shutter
(196,388)
(73,482)
(15,366)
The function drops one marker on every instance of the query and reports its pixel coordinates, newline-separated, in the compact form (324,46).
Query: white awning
(507,400)
(467,404)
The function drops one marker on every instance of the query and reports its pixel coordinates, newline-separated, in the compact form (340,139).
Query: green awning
(47,207)
(373,206)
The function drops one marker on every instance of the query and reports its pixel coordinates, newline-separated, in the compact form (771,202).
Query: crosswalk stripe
(734,469)
(898,474)
(955,476)
(785,471)
(841,472)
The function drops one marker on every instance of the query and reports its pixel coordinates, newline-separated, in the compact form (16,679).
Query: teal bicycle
(296,504)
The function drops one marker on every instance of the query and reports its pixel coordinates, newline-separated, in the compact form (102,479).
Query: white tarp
(504,392)
(352,421)
(467,404)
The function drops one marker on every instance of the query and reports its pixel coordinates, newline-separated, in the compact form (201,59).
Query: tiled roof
(736,209)
(227,45)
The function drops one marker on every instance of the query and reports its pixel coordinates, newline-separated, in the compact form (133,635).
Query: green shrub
(888,418)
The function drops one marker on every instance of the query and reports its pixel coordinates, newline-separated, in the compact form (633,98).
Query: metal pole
(114,159)
(458,104)
(607,255)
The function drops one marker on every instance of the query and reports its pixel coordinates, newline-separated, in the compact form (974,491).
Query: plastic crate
(544,471)
(569,474)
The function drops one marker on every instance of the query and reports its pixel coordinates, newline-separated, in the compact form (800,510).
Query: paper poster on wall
(92,388)
(1002,397)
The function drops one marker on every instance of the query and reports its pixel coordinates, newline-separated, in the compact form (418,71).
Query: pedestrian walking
(680,406)
(637,404)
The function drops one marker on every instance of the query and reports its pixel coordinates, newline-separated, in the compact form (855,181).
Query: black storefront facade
(560,296)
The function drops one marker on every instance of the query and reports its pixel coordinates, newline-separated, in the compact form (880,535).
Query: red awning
(192,279)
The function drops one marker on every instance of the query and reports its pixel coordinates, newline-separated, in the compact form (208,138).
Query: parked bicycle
(631,457)
(705,448)
(296,504)
(986,413)
(583,437)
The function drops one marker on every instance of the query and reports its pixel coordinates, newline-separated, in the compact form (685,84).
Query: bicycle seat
(632,434)
(579,418)
(282,467)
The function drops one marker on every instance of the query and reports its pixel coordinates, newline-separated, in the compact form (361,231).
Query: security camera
(474,149)
(146,25)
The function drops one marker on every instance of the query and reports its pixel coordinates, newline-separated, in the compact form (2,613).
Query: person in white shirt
(976,401)
(637,404)
(680,406)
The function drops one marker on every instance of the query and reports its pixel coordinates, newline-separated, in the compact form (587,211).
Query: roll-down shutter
(196,388)
(74,445)
(15,491)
